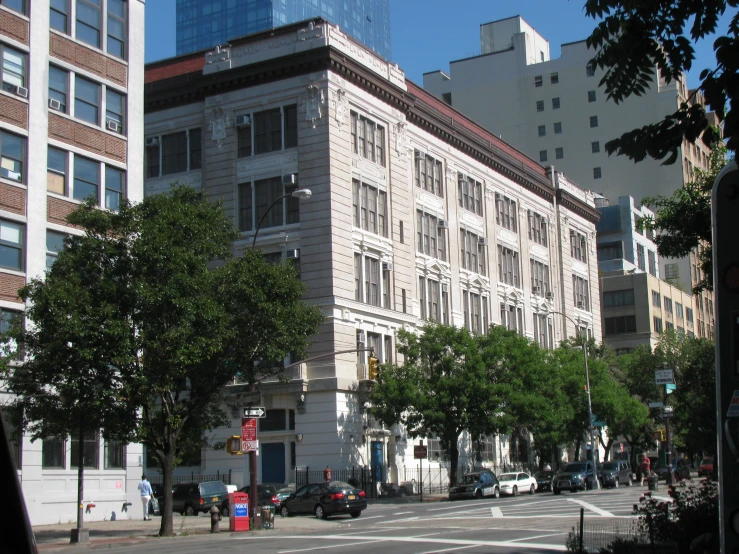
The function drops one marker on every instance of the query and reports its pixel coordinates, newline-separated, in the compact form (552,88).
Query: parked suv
(476,485)
(615,473)
(575,476)
(190,498)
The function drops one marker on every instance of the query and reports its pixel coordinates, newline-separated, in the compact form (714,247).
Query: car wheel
(573,489)
(515,490)
(355,515)
(224,511)
(478,494)
(557,491)
(496,492)
(189,511)
(284,512)
(320,514)
(615,483)
(532,490)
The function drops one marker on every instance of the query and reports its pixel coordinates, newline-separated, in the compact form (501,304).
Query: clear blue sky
(428,34)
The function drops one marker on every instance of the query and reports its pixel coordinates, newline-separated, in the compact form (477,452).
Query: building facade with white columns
(417,213)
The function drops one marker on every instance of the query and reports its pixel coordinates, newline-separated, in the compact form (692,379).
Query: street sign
(656,404)
(250,446)
(670,388)
(255,411)
(663,376)
(248,429)
(667,409)
(667,415)
(420,452)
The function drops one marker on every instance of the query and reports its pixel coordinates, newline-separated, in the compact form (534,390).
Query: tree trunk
(167,527)
(608,448)
(453,460)
(80,480)
(577,449)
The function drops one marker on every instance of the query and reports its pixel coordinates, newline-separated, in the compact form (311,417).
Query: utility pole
(668,416)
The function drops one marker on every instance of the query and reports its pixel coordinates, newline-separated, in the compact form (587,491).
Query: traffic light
(233,445)
(373,368)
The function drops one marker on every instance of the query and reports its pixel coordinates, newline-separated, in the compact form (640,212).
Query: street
(530,523)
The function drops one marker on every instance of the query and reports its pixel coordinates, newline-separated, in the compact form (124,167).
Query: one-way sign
(255,411)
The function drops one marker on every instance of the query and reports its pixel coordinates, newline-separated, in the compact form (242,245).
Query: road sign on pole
(255,411)
(420,452)
(656,404)
(250,446)
(248,429)
(663,376)
(670,388)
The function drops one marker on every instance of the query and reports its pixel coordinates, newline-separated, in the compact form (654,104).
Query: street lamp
(300,194)
(584,348)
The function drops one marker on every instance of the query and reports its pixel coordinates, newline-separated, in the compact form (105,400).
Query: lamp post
(301,194)
(584,347)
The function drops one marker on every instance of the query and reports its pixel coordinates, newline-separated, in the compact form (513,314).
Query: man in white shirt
(146,494)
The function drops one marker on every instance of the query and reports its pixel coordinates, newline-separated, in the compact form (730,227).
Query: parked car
(190,498)
(284,492)
(516,483)
(476,485)
(615,473)
(266,496)
(706,467)
(156,508)
(325,499)
(680,468)
(543,480)
(574,477)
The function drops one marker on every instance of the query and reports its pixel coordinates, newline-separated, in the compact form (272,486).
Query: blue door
(273,462)
(376,461)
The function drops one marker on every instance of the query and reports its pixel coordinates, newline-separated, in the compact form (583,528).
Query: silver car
(476,485)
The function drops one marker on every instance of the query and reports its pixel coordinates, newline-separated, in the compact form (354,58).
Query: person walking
(146,494)
(645,467)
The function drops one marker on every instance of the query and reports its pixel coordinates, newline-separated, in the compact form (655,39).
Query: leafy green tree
(632,37)
(444,387)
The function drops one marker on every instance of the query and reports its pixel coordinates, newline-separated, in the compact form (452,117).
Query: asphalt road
(526,524)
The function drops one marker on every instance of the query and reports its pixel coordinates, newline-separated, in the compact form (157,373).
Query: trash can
(652,483)
(268,516)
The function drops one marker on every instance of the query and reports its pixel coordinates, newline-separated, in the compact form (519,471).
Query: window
(657,324)
(652,257)
(595,147)
(555,103)
(610,251)
(54,245)
(59,15)
(668,304)
(593,120)
(679,310)
(578,247)
(597,173)
(88,22)
(173,153)
(558,128)
(472,251)
(19,6)
(656,299)
(511,317)
(614,298)
(273,420)
(15,68)
(640,261)
(475,312)
(114,188)
(543,331)
(117,28)
(539,278)
(429,174)
(537,228)
(589,70)
(12,157)
(12,245)
(52,453)
(370,208)
(115,104)
(368,138)
(59,87)
(538,81)
(542,155)
(115,455)
(86,100)
(447,97)
(559,153)
(86,179)
(610,219)
(580,292)
(540,105)
(431,238)
(90,450)
(470,194)
(367,280)
(15,433)
(542,130)
(554,78)
(620,325)
(291,125)
(267,131)
(268,127)
(508,267)
(434,300)
(255,199)
(505,212)
(591,96)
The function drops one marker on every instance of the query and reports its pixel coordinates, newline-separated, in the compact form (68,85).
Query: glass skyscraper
(203,24)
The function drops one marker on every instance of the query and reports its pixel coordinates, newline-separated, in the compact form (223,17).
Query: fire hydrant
(215,520)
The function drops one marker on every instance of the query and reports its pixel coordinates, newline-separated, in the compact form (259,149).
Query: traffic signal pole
(669,479)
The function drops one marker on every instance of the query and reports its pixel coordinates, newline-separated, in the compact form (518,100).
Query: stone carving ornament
(219,122)
(341,104)
(315,99)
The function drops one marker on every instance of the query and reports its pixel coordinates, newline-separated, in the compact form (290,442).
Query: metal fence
(596,535)
(194,478)
(361,477)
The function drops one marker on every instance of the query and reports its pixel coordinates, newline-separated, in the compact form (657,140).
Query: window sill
(9,271)
(14,97)
(12,183)
(16,13)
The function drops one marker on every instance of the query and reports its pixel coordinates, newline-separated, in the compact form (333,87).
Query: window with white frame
(475,310)
(689,314)
(115,454)
(14,68)
(368,138)
(90,450)
(433,298)
(472,247)
(544,331)
(679,310)
(53,453)
(173,153)
(12,157)
(508,266)
(431,237)
(77,177)
(429,174)
(652,258)
(668,304)
(20,6)
(12,244)
(511,317)
(89,16)
(267,131)
(369,280)
(640,261)
(54,245)
(657,321)
(255,199)
(470,194)
(539,277)
(369,206)
(537,228)
(505,212)
(581,293)
(578,246)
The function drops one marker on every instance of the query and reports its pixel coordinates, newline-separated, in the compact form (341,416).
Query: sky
(428,34)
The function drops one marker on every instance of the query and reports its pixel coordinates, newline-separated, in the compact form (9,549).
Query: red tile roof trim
(173,67)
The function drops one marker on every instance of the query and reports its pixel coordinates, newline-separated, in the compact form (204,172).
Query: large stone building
(417,213)
(73,95)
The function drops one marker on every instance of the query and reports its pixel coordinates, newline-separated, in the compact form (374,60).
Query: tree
(443,388)
(683,221)
(635,36)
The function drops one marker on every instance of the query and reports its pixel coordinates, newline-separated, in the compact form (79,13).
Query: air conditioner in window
(243,120)
(550,296)
(361,338)
(537,290)
(482,240)
(21,91)
(152,141)
(581,305)
(420,155)
(112,125)
(442,224)
(55,104)
(289,179)
(444,287)
(387,266)
(292,254)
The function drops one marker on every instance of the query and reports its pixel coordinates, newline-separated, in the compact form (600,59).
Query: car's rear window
(575,467)
(610,465)
(267,489)
(507,477)
(340,485)
(213,487)
(471,478)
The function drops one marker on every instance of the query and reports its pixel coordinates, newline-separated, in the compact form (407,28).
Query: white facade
(91,115)
(358,236)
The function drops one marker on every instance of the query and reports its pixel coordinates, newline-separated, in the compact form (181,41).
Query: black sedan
(544,480)
(325,499)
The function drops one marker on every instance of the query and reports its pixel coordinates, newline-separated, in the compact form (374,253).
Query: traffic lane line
(324,547)
(540,536)
(448,549)
(591,507)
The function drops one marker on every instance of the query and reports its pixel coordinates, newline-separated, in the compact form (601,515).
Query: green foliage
(632,37)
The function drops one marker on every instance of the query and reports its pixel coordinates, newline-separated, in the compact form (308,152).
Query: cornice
(573,203)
